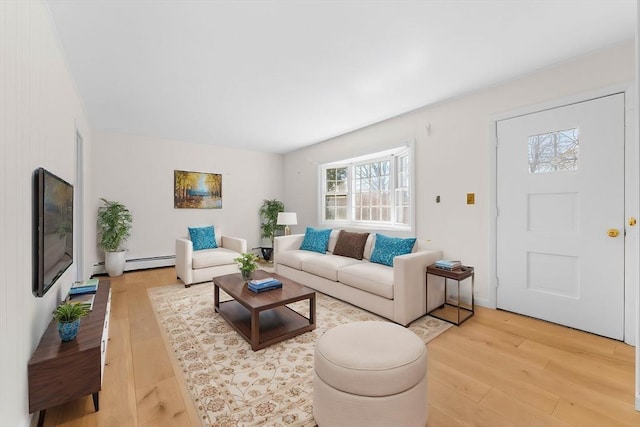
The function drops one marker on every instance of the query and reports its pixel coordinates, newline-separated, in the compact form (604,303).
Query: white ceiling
(274,76)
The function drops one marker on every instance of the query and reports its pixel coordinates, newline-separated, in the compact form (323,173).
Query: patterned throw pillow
(316,240)
(203,237)
(351,244)
(386,248)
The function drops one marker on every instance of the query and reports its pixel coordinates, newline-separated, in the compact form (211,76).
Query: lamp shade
(287,218)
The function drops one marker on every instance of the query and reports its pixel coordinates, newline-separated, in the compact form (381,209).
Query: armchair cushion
(203,237)
(211,258)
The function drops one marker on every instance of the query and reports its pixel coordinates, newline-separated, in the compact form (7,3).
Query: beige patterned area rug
(230,384)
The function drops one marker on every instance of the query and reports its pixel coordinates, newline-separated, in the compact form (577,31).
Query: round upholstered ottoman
(370,374)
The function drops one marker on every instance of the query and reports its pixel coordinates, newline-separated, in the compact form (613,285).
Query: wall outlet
(471,198)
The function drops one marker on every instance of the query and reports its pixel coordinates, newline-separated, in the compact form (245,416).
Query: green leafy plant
(247,262)
(269,215)
(70,311)
(114,225)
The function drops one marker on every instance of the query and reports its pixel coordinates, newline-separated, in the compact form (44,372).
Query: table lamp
(287,219)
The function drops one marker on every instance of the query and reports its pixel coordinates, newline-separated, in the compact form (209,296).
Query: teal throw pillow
(316,240)
(386,248)
(203,237)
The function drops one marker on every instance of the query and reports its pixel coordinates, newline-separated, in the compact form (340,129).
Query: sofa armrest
(184,260)
(234,243)
(409,285)
(285,243)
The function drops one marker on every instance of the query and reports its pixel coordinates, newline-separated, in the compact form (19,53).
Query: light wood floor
(497,369)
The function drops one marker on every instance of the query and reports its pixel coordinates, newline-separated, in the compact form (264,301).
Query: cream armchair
(201,266)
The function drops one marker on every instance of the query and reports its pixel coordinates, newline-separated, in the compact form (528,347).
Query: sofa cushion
(316,240)
(374,278)
(213,257)
(368,247)
(333,238)
(295,257)
(203,237)
(350,244)
(386,248)
(327,266)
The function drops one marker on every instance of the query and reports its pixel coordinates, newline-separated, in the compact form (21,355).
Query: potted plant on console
(114,227)
(269,215)
(68,315)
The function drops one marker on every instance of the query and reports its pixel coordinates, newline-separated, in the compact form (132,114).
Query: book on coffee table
(266,284)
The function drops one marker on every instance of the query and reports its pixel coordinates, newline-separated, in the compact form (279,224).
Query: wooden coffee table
(263,318)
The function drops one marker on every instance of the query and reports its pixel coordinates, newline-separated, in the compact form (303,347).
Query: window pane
(375,214)
(329,214)
(553,151)
(341,174)
(341,200)
(341,213)
(342,186)
(386,214)
(331,186)
(366,214)
(375,199)
(331,174)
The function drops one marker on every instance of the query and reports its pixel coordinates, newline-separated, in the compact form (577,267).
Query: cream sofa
(397,293)
(201,266)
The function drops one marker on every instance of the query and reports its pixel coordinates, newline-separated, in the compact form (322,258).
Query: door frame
(631,196)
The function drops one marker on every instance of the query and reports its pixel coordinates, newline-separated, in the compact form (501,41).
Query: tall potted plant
(114,228)
(269,225)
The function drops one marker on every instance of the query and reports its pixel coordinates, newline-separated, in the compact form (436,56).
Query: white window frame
(350,164)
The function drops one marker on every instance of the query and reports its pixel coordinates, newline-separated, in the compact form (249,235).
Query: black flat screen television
(52,229)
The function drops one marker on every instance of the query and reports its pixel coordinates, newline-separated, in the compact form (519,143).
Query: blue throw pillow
(316,240)
(386,248)
(203,238)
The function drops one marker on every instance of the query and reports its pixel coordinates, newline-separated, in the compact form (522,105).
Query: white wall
(455,156)
(39,112)
(138,171)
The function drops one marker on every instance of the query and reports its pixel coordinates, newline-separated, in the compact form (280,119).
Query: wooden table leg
(216,297)
(255,329)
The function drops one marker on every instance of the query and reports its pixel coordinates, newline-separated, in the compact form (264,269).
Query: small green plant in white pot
(68,315)
(114,228)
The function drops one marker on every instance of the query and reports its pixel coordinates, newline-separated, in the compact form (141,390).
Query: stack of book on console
(86,287)
(263,285)
(84,292)
(447,264)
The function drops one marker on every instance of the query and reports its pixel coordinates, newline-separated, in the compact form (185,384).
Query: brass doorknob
(632,221)
(613,232)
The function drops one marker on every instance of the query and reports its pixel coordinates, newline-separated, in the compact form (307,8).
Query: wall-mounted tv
(52,229)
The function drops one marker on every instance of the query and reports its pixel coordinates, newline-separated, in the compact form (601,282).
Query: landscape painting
(197,190)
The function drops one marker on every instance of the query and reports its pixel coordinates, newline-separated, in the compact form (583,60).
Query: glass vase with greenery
(247,263)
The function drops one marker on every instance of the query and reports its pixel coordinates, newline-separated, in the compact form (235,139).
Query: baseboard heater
(140,263)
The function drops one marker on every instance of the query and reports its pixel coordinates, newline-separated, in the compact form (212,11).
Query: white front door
(560,193)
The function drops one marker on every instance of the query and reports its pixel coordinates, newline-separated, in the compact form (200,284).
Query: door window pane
(554,151)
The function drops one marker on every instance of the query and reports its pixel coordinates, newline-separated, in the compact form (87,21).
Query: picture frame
(197,190)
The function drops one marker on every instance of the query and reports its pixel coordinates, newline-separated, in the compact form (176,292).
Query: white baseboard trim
(638,402)
(140,263)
